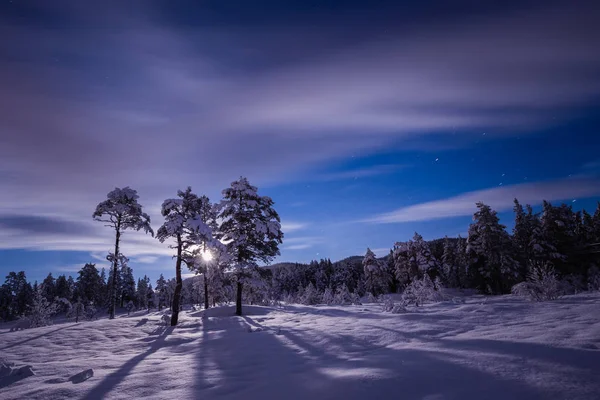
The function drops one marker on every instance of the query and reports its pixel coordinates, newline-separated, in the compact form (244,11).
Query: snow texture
(485,348)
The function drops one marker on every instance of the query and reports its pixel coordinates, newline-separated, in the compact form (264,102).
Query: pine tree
(63,289)
(20,292)
(490,247)
(142,292)
(89,284)
(49,288)
(250,228)
(342,295)
(41,310)
(161,289)
(374,273)
(310,296)
(450,264)
(121,211)
(183,222)
(328,296)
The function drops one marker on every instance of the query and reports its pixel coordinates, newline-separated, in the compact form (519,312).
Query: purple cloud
(145,103)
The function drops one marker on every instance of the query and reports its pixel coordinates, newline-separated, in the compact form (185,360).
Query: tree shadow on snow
(269,363)
(30,339)
(102,389)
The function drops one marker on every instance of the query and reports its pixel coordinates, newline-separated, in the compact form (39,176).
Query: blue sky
(364,121)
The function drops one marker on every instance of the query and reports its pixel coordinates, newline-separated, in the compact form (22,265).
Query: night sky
(364,121)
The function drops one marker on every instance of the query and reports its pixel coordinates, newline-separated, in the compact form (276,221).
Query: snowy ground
(499,348)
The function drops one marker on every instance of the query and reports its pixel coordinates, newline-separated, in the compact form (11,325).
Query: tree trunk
(238,299)
(206,305)
(113,295)
(178,285)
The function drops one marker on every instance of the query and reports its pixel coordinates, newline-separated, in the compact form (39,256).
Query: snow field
(487,348)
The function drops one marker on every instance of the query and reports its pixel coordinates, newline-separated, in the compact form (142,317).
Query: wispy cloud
(293,226)
(499,198)
(301,243)
(359,173)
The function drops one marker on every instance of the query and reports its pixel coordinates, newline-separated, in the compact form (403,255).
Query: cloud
(359,173)
(292,226)
(146,259)
(301,243)
(156,104)
(34,224)
(499,198)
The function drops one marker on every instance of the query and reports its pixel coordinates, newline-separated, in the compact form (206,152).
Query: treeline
(91,289)
(558,241)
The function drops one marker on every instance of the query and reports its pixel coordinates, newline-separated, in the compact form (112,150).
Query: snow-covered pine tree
(342,295)
(251,229)
(63,289)
(327,297)
(425,260)
(462,262)
(490,247)
(89,283)
(310,296)
(542,253)
(161,290)
(150,297)
(41,310)
(374,274)
(127,287)
(450,265)
(121,211)
(142,292)
(184,224)
(49,287)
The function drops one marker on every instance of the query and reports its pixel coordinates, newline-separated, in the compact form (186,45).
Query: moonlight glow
(207,256)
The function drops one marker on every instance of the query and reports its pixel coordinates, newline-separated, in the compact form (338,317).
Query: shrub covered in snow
(388,305)
(371,298)
(421,291)
(130,307)
(542,284)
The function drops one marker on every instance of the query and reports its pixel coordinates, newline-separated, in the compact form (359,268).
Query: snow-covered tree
(412,259)
(342,295)
(41,310)
(375,275)
(421,291)
(311,295)
(185,225)
(142,292)
(450,265)
(490,247)
(161,290)
(62,288)
(49,287)
(250,229)
(121,211)
(89,283)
